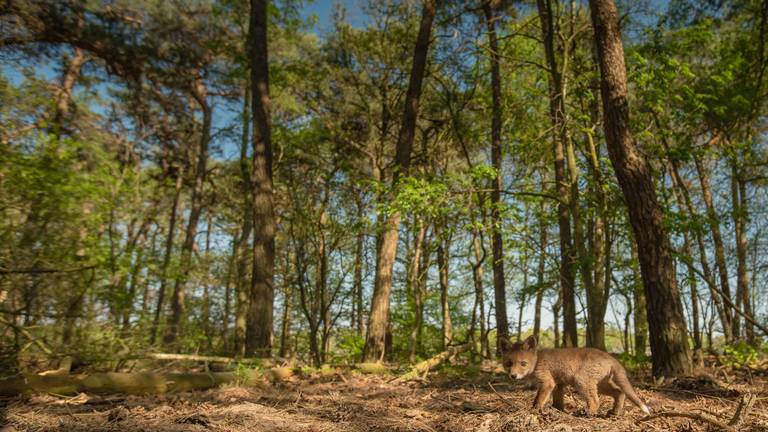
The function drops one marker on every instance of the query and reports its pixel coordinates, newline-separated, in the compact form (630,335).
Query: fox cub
(589,370)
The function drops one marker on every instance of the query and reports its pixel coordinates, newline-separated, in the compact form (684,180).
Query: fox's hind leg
(558,398)
(608,387)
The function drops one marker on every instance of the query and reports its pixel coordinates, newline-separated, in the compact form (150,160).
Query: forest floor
(356,402)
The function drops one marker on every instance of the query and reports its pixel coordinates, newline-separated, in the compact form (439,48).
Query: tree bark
(717,238)
(497,245)
(414,282)
(557,114)
(740,217)
(443,256)
(242,253)
(379,317)
(258,341)
(166,258)
(357,317)
(541,267)
(668,333)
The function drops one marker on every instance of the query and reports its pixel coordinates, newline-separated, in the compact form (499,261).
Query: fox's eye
(508,364)
(523,363)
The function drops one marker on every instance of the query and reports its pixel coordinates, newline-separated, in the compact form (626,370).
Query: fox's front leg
(545,391)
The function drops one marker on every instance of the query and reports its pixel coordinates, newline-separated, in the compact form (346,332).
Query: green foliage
(742,354)
(351,346)
(634,361)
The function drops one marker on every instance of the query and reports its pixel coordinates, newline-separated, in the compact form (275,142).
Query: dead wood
(116,382)
(747,400)
(425,366)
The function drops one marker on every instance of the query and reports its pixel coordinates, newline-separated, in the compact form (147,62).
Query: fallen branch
(745,404)
(423,367)
(189,357)
(747,400)
(706,418)
(116,382)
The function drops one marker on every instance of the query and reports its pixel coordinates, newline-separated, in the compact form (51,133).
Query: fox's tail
(620,378)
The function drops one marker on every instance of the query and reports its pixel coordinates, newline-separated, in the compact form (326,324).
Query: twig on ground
(745,404)
(706,418)
(503,399)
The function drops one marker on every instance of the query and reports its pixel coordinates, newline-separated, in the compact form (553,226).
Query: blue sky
(323,10)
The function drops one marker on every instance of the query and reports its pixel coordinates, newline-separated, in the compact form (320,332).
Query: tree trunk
(729,329)
(285,327)
(228,294)
(557,114)
(443,256)
(541,268)
(740,217)
(684,200)
(200,94)
(668,333)
(379,317)
(497,245)
(242,252)
(414,282)
(598,287)
(556,307)
(166,259)
(258,340)
(357,316)
(478,309)
(641,307)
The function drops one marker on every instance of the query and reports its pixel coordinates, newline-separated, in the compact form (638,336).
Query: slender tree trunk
(414,282)
(166,258)
(443,257)
(684,201)
(357,316)
(228,293)
(729,329)
(556,307)
(557,114)
(206,306)
(598,287)
(285,330)
(258,340)
(200,94)
(698,359)
(478,308)
(497,245)
(242,252)
(133,286)
(379,317)
(668,333)
(740,217)
(541,268)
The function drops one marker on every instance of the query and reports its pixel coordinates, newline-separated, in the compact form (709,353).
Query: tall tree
(559,137)
(497,245)
(258,341)
(668,333)
(378,319)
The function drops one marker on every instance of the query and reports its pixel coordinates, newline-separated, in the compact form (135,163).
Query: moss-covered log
(423,367)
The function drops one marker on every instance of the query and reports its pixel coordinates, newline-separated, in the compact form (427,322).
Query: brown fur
(591,371)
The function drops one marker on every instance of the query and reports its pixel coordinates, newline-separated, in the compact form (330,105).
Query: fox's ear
(530,343)
(506,345)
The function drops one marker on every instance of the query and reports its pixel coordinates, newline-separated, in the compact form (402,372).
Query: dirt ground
(375,403)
